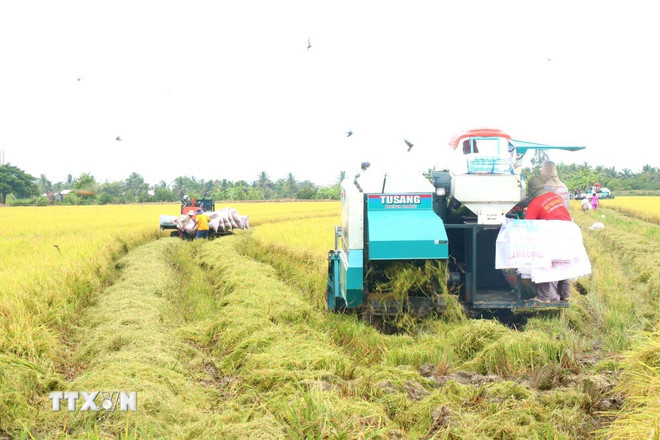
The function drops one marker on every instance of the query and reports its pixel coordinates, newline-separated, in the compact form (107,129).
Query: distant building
(60,196)
(50,195)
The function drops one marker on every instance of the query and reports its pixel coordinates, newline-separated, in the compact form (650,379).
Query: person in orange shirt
(547,205)
(202,222)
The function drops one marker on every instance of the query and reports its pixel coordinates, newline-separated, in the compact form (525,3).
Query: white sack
(214,224)
(544,250)
(190,228)
(224,215)
(168,220)
(235,216)
(519,244)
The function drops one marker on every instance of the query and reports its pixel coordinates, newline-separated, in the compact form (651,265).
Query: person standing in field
(547,205)
(586,205)
(183,221)
(552,183)
(202,222)
(594,201)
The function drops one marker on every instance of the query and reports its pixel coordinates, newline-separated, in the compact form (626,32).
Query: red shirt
(548,206)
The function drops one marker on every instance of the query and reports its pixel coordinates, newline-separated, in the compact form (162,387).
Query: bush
(104,199)
(19,202)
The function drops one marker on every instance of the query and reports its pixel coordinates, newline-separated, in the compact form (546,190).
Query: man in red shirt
(548,206)
(545,205)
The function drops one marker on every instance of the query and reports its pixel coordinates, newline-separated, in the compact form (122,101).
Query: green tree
(291,186)
(190,186)
(307,190)
(237,193)
(85,182)
(45,185)
(110,192)
(263,181)
(135,188)
(163,194)
(135,182)
(256,194)
(328,192)
(14,180)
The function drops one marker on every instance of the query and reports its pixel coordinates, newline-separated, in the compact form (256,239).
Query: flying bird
(410,144)
(58,248)
(309,45)
(118,138)
(349,133)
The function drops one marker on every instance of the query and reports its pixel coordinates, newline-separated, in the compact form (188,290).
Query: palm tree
(135,182)
(263,181)
(179,188)
(45,185)
(291,185)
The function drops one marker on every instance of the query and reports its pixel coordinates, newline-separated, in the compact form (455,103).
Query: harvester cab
(448,218)
(197,205)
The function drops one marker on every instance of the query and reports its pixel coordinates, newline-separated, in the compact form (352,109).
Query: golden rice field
(48,248)
(228,338)
(645,208)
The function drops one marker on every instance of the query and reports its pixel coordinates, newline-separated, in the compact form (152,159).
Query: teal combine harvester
(448,216)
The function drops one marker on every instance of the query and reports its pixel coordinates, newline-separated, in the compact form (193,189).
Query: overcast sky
(223,89)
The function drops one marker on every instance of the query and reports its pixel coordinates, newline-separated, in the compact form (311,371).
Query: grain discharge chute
(452,218)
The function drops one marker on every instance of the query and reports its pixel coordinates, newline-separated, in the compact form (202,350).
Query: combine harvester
(450,218)
(223,221)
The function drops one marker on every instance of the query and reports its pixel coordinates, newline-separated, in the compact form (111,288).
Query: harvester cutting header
(447,219)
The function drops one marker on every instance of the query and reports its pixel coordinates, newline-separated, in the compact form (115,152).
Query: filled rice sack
(168,221)
(245,224)
(214,224)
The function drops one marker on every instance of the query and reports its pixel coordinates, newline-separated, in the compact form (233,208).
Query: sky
(225,90)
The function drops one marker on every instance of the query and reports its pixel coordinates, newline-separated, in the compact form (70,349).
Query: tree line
(20,188)
(581,177)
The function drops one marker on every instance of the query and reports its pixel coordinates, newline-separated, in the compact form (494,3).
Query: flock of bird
(348,133)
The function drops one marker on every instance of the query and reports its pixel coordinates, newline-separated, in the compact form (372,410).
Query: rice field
(229,339)
(644,208)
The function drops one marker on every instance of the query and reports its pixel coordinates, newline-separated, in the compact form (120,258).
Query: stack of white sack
(542,250)
(227,219)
